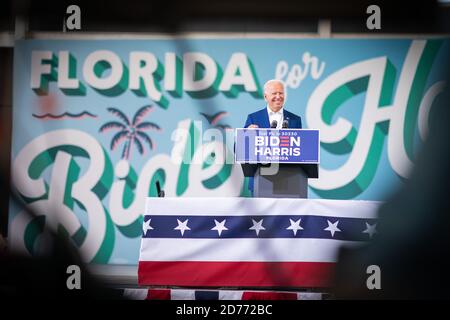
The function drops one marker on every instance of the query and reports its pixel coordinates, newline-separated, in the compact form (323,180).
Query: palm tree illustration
(130,132)
(213,119)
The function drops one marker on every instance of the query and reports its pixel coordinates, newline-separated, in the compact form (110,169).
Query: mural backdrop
(97,123)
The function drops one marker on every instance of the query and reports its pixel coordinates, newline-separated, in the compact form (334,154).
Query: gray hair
(274,81)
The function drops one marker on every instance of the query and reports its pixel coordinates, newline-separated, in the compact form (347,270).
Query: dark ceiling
(231,15)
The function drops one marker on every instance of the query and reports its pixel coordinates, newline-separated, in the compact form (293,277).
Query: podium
(280,160)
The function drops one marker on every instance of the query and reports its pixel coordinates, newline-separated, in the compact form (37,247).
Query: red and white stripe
(244,262)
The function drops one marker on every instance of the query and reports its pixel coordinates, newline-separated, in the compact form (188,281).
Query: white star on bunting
(147,226)
(332,227)
(257,226)
(370,229)
(220,226)
(295,226)
(182,226)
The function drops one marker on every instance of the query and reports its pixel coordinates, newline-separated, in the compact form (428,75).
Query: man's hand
(253,126)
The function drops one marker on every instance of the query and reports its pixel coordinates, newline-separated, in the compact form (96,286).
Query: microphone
(160,192)
(273,124)
(285,124)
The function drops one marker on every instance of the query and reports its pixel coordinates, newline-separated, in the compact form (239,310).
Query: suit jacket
(261,118)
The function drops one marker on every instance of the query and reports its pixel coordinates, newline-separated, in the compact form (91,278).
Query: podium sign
(260,145)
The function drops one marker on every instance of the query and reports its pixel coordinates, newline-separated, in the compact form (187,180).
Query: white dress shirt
(278,116)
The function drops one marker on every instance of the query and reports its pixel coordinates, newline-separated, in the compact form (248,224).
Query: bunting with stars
(249,242)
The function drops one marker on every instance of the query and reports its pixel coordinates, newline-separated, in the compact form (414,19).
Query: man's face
(274,95)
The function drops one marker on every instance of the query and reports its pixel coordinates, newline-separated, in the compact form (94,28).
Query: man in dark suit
(274,94)
(274,114)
